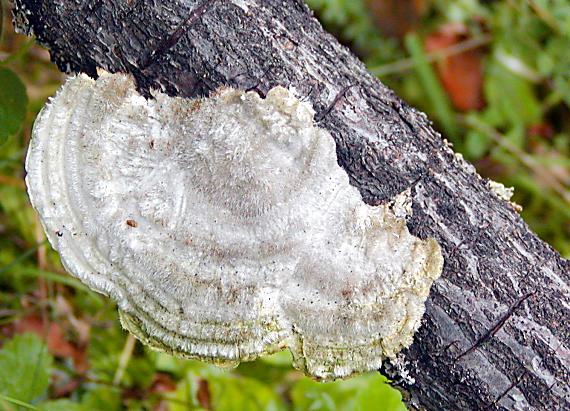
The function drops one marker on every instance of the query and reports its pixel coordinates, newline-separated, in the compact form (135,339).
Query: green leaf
(102,399)
(307,395)
(183,398)
(106,346)
(555,13)
(460,11)
(512,97)
(279,359)
(4,399)
(61,405)
(351,19)
(230,393)
(167,363)
(365,392)
(555,61)
(140,371)
(25,365)
(13,103)
(227,391)
(271,370)
(378,395)
(476,144)
(13,203)
(517,136)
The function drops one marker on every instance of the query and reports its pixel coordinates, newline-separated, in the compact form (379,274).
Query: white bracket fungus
(224,227)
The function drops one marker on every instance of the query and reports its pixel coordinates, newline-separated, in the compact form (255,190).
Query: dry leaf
(203,395)
(55,338)
(461,74)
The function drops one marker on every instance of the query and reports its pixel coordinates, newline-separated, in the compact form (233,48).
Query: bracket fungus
(224,228)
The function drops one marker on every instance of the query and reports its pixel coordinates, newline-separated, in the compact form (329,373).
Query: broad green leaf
(13,103)
(362,393)
(378,395)
(25,365)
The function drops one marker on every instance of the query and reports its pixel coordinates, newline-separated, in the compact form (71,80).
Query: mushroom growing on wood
(224,228)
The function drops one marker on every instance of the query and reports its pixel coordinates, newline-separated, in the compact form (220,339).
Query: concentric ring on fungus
(224,227)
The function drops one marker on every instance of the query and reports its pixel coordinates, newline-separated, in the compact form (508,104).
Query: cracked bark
(495,334)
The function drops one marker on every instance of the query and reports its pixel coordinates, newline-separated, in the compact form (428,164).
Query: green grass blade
(19,403)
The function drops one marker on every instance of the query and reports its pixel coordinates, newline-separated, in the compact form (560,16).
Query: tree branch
(468,354)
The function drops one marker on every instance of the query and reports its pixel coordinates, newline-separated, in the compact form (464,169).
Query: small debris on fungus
(132,223)
(248,232)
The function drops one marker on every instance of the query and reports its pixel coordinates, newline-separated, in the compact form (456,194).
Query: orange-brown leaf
(461,74)
(162,383)
(55,338)
(203,395)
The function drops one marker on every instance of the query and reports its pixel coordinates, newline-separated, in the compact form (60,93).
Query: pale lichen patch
(225,228)
(401,204)
(504,193)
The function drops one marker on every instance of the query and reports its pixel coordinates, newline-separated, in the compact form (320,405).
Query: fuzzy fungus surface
(224,227)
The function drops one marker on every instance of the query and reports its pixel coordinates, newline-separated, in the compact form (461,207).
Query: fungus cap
(224,228)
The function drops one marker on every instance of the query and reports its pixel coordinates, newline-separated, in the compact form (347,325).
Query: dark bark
(496,330)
